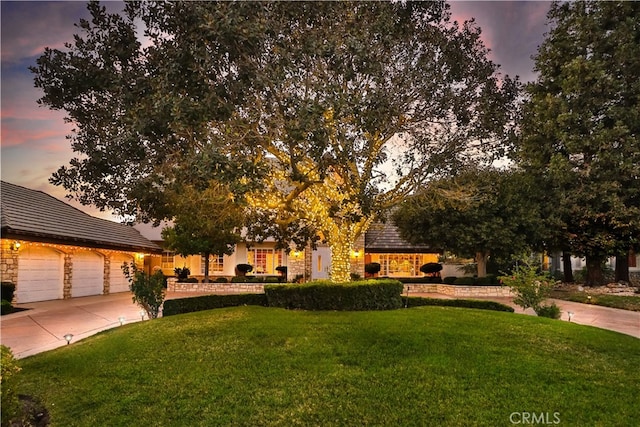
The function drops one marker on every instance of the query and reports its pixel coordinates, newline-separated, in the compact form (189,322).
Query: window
(216,264)
(264,261)
(167,260)
(404,265)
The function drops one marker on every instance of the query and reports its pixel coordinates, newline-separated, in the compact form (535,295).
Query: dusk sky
(34,143)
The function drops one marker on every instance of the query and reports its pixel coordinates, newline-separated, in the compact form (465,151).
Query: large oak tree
(345,106)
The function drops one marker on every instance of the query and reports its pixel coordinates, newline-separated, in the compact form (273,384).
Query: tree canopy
(581,128)
(477,213)
(322,114)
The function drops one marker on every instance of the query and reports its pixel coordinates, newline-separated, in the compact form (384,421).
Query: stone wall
(8,262)
(459,290)
(451,290)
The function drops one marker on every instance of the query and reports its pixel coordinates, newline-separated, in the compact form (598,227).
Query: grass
(624,302)
(258,366)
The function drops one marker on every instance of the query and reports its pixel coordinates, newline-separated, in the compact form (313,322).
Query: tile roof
(34,215)
(385,237)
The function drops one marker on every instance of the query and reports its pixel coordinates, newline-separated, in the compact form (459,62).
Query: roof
(36,216)
(385,238)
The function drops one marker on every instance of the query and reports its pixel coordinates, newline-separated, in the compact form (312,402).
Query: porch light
(570,314)
(68,338)
(121,319)
(15,246)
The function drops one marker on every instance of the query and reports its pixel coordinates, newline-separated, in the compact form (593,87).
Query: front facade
(51,250)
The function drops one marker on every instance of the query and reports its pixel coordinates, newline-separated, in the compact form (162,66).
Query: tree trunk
(206,267)
(340,259)
(481,262)
(595,273)
(566,267)
(622,268)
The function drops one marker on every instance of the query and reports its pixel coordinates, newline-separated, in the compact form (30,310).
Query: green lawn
(624,302)
(423,366)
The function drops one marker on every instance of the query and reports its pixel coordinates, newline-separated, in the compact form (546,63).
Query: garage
(40,274)
(119,283)
(87,274)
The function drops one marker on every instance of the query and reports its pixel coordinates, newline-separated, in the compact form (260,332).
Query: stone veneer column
(308,263)
(9,264)
(106,283)
(296,265)
(68,275)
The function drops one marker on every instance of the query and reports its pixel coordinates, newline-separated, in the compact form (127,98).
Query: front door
(321,263)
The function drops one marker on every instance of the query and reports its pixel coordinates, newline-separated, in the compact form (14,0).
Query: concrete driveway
(44,325)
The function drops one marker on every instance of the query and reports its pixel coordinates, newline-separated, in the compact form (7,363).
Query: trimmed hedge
(425,279)
(463,303)
(325,295)
(208,302)
(489,280)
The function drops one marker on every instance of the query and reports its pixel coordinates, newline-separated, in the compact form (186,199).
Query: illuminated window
(167,260)
(216,264)
(403,265)
(319,263)
(264,261)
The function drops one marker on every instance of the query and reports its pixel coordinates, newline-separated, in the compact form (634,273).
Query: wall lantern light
(68,338)
(15,246)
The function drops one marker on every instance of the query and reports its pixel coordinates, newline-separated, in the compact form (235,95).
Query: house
(51,250)
(382,243)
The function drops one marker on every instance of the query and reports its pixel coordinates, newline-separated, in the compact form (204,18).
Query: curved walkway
(43,326)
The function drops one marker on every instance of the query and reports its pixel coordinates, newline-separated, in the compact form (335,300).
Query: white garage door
(119,283)
(40,275)
(87,274)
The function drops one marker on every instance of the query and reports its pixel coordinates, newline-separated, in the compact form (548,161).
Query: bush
(8,397)
(148,291)
(245,279)
(466,280)
(372,268)
(551,311)
(425,279)
(325,295)
(464,303)
(7,291)
(530,288)
(221,280)
(189,280)
(244,268)
(209,302)
(182,273)
(431,267)
(449,280)
(6,307)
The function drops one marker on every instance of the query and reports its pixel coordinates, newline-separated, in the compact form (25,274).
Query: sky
(33,138)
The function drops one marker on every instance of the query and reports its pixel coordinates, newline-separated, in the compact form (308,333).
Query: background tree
(581,127)
(349,106)
(477,213)
(206,221)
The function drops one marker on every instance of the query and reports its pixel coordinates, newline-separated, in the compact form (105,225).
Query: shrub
(189,280)
(245,279)
(551,311)
(182,273)
(7,290)
(425,279)
(325,295)
(8,397)
(466,280)
(530,288)
(449,280)
(6,307)
(209,302)
(464,303)
(431,267)
(372,268)
(243,269)
(221,280)
(148,291)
